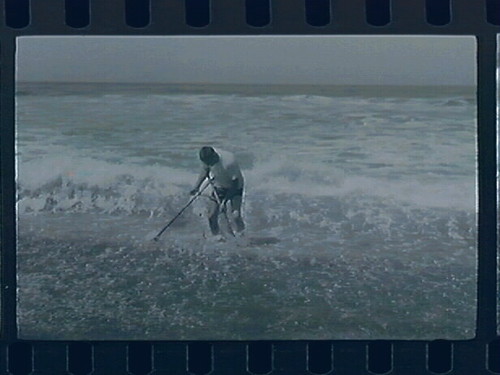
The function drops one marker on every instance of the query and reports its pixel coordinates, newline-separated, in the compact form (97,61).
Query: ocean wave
(87,185)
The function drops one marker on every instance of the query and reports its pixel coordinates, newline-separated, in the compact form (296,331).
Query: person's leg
(236,212)
(213,216)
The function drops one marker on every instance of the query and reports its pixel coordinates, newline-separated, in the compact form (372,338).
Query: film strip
(258,17)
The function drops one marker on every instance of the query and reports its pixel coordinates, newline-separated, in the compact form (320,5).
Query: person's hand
(193,192)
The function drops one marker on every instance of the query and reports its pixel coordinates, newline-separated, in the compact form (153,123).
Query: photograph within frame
(379,170)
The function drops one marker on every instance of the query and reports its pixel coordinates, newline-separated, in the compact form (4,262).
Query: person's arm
(235,182)
(203,175)
(234,186)
(236,178)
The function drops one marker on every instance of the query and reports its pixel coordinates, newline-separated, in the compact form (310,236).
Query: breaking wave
(91,185)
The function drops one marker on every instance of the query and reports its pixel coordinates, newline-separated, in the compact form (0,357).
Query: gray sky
(389,60)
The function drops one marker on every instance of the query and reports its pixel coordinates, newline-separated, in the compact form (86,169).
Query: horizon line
(245,84)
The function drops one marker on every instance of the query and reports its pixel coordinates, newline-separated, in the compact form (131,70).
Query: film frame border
(285,17)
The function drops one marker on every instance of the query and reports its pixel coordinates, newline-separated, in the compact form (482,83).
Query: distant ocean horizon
(23,87)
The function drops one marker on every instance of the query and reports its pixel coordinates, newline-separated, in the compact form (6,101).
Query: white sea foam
(86,183)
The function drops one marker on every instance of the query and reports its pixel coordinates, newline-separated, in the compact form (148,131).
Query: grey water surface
(360,205)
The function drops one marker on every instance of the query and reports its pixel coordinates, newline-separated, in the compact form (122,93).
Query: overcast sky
(262,60)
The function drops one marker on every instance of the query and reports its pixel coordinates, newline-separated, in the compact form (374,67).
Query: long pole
(179,214)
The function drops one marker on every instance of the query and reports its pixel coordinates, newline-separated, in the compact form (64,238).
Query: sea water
(360,206)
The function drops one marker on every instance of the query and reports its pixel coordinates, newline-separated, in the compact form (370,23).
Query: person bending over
(221,168)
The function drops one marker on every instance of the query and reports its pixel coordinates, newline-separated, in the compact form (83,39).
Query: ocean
(360,207)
